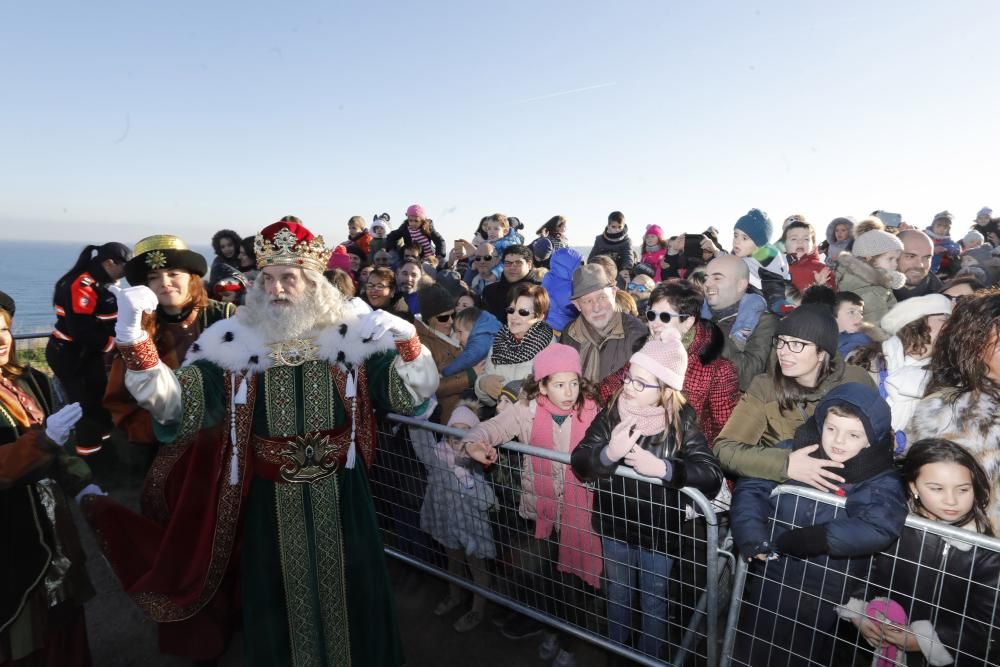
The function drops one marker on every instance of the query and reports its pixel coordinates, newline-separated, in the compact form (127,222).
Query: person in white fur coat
(899,364)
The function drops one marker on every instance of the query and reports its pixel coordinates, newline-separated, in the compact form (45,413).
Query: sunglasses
(520,311)
(665,317)
(636,287)
(483,258)
(444,318)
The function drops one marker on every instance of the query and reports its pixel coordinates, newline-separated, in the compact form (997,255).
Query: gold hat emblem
(156,260)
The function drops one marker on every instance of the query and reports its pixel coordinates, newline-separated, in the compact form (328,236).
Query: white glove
(90,490)
(59,424)
(379,323)
(132,303)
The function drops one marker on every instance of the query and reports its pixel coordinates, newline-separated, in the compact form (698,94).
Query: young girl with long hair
(650,427)
(555,412)
(934,598)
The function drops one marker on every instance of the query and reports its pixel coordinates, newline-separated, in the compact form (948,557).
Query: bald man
(915,264)
(728,279)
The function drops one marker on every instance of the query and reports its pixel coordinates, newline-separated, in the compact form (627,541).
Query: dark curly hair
(226,234)
(916,340)
(965,342)
(684,295)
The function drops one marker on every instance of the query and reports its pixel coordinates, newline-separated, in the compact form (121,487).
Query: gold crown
(287,250)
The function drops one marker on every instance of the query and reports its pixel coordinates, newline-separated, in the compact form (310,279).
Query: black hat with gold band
(162,251)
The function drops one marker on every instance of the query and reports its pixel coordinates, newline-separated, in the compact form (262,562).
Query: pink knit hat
(665,358)
(416,211)
(463,415)
(654,229)
(339,260)
(556,358)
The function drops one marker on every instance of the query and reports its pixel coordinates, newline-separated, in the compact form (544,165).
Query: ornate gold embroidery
(140,357)
(293,352)
(318,397)
(279,396)
(399,396)
(309,458)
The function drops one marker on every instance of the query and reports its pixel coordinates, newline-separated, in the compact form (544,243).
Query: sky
(124,119)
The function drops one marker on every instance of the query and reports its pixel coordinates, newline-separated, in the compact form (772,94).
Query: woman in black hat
(44,582)
(84,334)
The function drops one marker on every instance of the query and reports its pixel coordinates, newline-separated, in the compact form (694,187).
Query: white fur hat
(912,309)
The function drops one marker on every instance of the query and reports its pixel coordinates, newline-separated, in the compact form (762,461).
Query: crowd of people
(863,361)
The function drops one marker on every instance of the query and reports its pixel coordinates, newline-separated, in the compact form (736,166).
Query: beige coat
(516,422)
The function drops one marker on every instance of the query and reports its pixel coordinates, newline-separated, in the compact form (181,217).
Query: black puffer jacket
(641,513)
(948,584)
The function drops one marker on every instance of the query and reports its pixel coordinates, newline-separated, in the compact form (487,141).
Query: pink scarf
(580,551)
(648,420)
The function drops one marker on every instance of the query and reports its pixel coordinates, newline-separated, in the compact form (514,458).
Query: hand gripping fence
(445,514)
(935,589)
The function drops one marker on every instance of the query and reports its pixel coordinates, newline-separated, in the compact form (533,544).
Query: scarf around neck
(508,351)
(579,546)
(649,420)
(592,342)
(614,238)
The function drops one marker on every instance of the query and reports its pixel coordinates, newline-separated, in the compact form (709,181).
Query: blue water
(29,271)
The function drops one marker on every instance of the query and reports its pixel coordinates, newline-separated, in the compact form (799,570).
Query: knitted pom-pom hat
(665,358)
(757,226)
(874,243)
(556,358)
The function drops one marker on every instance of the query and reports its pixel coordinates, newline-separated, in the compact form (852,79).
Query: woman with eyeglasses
(649,427)
(806,368)
(379,291)
(523,336)
(437,317)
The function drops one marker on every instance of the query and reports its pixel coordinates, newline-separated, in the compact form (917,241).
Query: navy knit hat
(812,322)
(756,225)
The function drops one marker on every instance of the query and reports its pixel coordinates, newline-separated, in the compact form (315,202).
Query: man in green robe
(274,409)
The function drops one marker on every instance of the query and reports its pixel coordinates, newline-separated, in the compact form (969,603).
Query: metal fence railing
(932,598)
(474,528)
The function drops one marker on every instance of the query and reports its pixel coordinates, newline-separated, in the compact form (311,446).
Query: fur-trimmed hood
(235,347)
(867,274)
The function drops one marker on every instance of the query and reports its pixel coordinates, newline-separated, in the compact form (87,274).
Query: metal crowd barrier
(424,498)
(937,585)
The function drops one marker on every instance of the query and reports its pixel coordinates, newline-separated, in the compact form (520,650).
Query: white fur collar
(233,346)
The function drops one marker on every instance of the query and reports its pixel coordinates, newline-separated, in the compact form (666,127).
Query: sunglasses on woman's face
(520,311)
(665,317)
(445,318)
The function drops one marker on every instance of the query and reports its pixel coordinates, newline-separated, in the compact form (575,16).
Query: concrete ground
(121,636)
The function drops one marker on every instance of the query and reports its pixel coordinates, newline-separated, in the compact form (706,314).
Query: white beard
(318,307)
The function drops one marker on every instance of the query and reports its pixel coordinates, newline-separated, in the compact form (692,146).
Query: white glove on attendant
(59,424)
(132,303)
(90,490)
(379,323)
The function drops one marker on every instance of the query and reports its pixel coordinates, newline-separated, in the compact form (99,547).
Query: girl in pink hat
(555,410)
(654,247)
(649,427)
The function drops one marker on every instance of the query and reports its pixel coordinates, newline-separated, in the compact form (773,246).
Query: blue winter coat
(501,244)
(558,282)
(869,523)
(477,347)
(848,342)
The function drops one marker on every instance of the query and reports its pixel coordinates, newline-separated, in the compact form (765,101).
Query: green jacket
(752,360)
(746,445)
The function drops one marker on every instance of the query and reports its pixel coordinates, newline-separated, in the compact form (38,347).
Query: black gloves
(803,542)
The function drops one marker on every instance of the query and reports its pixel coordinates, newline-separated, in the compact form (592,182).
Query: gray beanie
(874,243)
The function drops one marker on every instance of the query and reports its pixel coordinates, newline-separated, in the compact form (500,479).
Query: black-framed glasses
(376,286)
(795,346)
(512,263)
(639,385)
(520,311)
(444,318)
(482,258)
(665,317)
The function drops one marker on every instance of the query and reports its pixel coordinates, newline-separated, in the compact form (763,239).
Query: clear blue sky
(131,118)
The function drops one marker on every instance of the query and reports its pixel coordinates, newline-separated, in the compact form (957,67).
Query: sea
(29,271)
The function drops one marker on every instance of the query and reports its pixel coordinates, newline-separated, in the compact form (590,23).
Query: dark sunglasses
(481,258)
(445,318)
(665,317)
(520,311)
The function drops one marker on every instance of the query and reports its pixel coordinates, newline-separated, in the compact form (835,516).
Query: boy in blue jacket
(804,560)
(475,330)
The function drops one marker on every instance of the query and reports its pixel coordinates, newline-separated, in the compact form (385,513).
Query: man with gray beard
(277,407)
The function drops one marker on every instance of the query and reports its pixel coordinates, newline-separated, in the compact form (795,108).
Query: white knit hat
(874,243)
(973,237)
(665,358)
(912,309)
